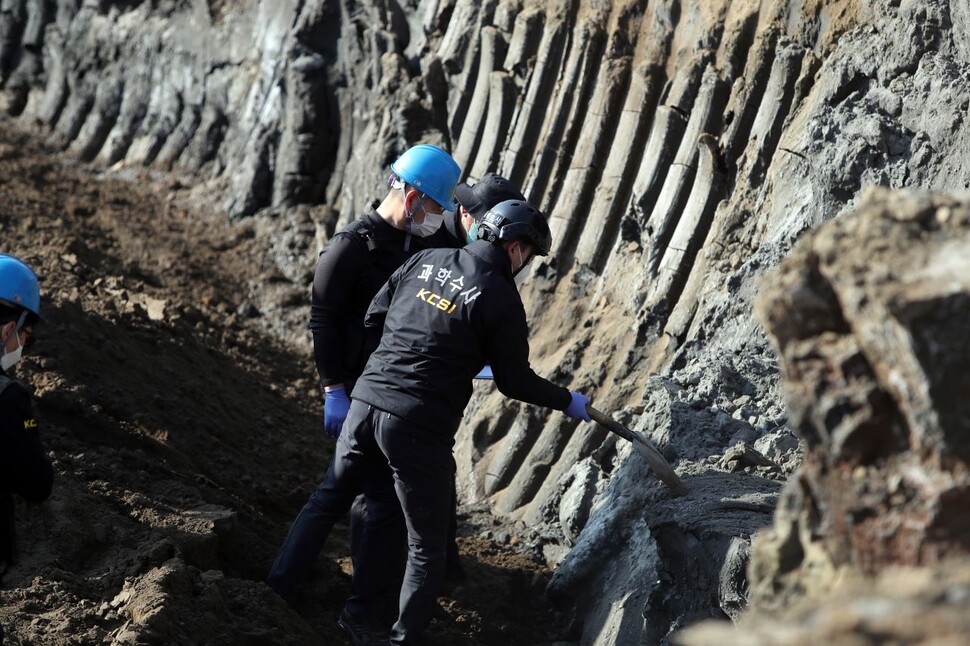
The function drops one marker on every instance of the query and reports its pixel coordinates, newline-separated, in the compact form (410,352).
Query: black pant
(422,467)
(357,466)
(389,540)
(373,447)
(373,601)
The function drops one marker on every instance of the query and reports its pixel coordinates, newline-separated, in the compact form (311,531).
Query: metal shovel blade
(644,447)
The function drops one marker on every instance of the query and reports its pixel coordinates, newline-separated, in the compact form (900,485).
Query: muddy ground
(184,434)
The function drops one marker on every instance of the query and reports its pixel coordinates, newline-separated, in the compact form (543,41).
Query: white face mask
(518,250)
(10,359)
(432,221)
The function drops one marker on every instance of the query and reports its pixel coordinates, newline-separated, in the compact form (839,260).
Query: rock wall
(679,146)
(867,315)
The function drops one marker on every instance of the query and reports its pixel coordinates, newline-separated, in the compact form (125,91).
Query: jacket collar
(493,254)
(451,226)
(382,228)
(374,219)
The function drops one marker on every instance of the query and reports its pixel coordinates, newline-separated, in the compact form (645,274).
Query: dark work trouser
(387,543)
(452,558)
(421,463)
(394,538)
(357,466)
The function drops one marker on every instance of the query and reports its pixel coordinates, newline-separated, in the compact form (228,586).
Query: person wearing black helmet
(436,322)
(459,229)
(25,470)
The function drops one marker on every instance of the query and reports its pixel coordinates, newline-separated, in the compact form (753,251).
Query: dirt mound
(185,435)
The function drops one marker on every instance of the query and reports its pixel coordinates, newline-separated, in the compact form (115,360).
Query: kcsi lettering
(435,300)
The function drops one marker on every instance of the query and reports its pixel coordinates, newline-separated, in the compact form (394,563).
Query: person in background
(461,226)
(440,318)
(352,267)
(25,469)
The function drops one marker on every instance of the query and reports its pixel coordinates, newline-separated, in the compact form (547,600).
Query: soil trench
(185,435)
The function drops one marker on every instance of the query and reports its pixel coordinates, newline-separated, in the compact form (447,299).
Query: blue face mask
(472,234)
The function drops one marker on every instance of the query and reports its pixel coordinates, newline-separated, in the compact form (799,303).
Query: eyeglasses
(28,333)
(432,207)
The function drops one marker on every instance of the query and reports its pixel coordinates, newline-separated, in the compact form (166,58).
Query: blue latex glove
(577,407)
(485,373)
(335,412)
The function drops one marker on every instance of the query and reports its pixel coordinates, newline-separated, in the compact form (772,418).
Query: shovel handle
(644,447)
(608,422)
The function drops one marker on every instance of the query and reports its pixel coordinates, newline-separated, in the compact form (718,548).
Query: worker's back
(443,315)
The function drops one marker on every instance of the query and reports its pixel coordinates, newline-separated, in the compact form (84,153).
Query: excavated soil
(185,436)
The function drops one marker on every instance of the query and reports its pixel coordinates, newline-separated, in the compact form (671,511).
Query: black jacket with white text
(442,316)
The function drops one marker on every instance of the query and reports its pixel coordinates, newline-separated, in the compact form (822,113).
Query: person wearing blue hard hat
(25,470)
(356,261)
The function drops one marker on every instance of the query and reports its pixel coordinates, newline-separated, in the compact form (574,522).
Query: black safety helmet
(516,220)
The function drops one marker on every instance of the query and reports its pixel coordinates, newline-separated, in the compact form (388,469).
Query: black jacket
(450,235)
(443,315)
(352,267)
(25,469)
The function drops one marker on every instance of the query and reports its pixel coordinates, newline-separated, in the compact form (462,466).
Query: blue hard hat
(430,170)
(18,284)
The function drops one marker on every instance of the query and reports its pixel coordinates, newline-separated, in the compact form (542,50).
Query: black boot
(359,632)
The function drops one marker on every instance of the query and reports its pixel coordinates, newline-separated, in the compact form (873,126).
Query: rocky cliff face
(680,148)
(867,316)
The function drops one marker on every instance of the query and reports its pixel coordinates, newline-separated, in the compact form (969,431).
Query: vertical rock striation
(680,147)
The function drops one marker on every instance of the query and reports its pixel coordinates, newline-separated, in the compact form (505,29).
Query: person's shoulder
(14,397)
(11,388)
(439,253)
(361,227)
(351,239)
(420,260)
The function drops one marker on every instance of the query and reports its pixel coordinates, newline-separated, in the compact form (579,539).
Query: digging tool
(644,447)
